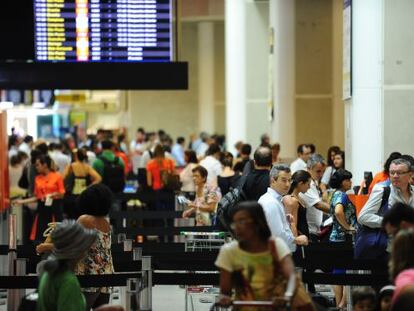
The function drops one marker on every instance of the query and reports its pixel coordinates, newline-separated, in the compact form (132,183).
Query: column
(282,20)
(338,109)
(206,77)
(364,120)
(235,45)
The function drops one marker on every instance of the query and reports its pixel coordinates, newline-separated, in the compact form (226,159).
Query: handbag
(300,299)
(169,180)
(371,243)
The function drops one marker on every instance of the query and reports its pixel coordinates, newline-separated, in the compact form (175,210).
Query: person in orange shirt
(48,190)
(384,175)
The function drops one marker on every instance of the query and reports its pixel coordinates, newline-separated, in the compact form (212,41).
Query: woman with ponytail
(293,204)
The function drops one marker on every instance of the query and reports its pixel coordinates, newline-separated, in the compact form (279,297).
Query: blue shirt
(338,233)
(275,214)
(178,154)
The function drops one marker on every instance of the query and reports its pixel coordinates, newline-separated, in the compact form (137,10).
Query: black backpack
(227,203)
(113,175)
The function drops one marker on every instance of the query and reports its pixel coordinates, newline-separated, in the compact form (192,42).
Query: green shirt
(98,164)
(61,292)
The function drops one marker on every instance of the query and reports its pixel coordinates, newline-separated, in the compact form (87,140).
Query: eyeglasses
(397,173)
(241,222)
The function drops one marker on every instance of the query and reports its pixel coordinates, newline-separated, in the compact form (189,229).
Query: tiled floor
(165,298)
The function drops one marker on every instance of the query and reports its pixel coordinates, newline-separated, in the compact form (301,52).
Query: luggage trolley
(202,241)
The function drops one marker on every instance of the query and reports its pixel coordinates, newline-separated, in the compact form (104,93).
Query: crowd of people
(284,206)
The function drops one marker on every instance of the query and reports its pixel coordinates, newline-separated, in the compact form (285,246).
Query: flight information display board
(103,30)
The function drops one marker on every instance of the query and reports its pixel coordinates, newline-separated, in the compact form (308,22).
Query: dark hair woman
(77,176)
(344,218)
(255,264)
(228,179)
(94,204)
(401,264)
(338,162)
(48,193)
(158,167)
(293,204)
(206,198)
(186,175)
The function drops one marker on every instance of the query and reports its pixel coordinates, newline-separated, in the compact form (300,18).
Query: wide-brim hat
(71,240)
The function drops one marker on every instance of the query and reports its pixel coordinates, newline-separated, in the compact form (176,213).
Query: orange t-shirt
(46,184)
(379,177)
(154,168)
(124,159)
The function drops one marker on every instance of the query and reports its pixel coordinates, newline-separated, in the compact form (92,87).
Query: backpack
(371,243)
(113,175)
(227,203)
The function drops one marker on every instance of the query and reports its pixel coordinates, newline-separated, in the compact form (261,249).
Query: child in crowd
(363,299)
(256,265)
(385,297)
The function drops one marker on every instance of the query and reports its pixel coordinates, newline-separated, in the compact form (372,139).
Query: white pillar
(282,20)
(235,45)
(206,77)
(364,118)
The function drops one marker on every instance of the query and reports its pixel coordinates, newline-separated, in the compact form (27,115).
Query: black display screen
(103,30)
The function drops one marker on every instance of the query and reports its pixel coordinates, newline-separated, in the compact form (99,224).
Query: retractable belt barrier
(171,257)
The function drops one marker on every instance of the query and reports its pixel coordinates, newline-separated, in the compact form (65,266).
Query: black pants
(45,215)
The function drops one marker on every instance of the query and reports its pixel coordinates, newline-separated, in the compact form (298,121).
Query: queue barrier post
(145,290)
(12,294)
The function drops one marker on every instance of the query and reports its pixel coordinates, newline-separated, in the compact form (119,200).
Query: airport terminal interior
(206,155)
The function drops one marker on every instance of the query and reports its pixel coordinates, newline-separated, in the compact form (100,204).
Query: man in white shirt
(136,149)
(274,209)
(315,206)
(178,152)
(26,145)
(400,191)
(212,164)
(304,153)
(61,160)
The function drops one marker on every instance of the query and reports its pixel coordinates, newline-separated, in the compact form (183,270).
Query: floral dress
(210,194)
(338,233)
(98,261)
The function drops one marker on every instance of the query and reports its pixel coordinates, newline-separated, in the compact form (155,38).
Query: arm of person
(368,214)
(149,178)
(322,206)
(291,207)
(24,201)
(224,263)
(95,177)
(190,211)
(340,217)
(44,248)
(324,189)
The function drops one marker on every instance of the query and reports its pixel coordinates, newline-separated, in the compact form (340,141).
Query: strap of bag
(384,201)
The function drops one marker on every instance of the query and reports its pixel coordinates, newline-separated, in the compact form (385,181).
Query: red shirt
(46,184)
(154,168)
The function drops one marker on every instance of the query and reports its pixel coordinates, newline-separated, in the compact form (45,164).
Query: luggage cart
(202,241)
(283,302)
